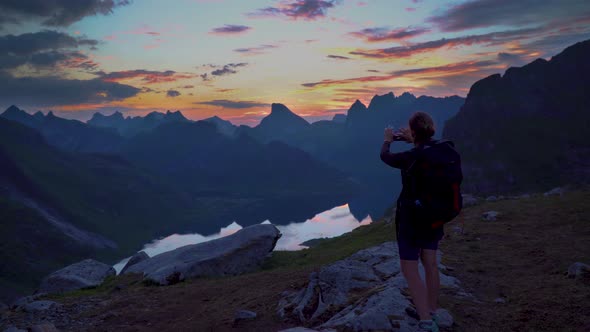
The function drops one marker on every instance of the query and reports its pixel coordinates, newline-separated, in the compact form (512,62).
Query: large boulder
(40,306)
(138,257)
(363,292)
(578,270)
(241,252)
(469,200)
(490,215)
(558,191)
(87,273)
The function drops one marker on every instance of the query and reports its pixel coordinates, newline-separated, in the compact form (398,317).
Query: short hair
(422,125)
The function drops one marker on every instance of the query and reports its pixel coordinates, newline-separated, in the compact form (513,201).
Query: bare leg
(417,287)
(432,277)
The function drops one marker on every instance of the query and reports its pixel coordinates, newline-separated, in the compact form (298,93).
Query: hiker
(426,168)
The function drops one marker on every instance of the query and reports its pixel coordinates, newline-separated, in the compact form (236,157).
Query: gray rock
(299,329)
(3,307)
(359,293)
(46,327)
(490,215)
(39,306)
(524,196)
(469,200)
(387,269)
(444,318)
(242,315)
(578,270)
(13,328)
(499,300)
(243,251)
(138,257)
(558,191)
(491,198)
(21,301)
(87,273)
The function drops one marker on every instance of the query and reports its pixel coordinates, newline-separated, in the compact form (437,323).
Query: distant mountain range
(351,142)
(71,135)
(528,129)
(131,126)
(196,156)
(280,124)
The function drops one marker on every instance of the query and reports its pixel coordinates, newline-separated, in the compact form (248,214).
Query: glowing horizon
(234,58)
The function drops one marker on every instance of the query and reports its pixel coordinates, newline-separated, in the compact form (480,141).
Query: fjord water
(332,222)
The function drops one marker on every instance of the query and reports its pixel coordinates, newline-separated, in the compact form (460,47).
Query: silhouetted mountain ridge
(131,126)
(71,135)
(526,130)
(197,157)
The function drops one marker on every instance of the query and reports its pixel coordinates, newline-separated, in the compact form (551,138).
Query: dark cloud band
(58,13)
(229,29)
(486,13)
(236,104)
(299,9)
(54,91)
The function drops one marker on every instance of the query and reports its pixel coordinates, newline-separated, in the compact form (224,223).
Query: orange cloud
(347,81)
(493,38)
(374,35)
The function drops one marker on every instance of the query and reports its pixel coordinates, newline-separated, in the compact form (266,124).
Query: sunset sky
(233,58)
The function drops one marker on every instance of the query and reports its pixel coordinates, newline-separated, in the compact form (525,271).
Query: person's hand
(388,137)
(405,134)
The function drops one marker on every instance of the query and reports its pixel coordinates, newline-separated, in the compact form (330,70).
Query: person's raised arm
(397,160)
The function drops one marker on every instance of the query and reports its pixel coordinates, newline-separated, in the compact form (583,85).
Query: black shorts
(410,241)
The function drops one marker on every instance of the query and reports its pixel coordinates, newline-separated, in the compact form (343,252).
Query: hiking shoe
(412,312)
(427,326)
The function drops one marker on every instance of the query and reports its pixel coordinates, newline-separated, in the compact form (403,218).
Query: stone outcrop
(362,292)
(40,306)
(243,251)
(490,215)
(138,257)
(558,191)
(87,273)
(469,200)
(578,270)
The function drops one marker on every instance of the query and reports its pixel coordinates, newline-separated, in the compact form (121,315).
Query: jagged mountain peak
(358,105)
(280,121)
(13,108)
(155,115)
(176,115)
(278,108)
(280,112)
(406,98)
(380,102)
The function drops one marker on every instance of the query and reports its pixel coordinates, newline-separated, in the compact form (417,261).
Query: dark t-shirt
(403,220)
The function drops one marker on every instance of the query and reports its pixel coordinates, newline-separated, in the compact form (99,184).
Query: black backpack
(435,185)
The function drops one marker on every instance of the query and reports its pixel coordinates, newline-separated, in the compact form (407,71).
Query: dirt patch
(521,260)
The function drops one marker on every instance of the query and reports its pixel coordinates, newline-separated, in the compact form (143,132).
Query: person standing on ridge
(430,197)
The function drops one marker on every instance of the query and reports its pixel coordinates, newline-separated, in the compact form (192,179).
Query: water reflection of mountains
(372,200)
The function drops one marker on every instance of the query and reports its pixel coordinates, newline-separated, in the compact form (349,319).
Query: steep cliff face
(525,130)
